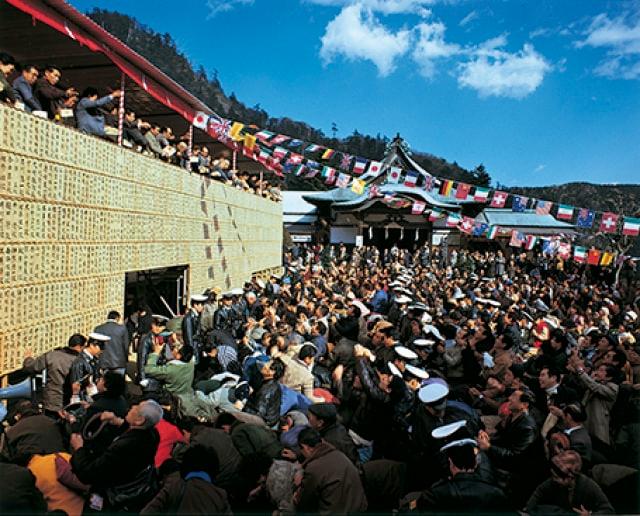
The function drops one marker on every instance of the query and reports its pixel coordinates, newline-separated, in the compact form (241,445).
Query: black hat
(324,411)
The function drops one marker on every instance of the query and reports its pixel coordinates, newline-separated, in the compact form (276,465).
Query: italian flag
(493,232)
(481,194)
(565,212)
(264,135)
(580,254)
(631,226)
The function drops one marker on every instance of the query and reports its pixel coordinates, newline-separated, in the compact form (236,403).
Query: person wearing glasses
(23,86)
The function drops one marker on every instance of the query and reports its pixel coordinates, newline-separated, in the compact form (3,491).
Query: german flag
(446,187)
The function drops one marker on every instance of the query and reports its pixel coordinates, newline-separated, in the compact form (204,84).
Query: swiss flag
(609,222)
(499,199)
(466,225)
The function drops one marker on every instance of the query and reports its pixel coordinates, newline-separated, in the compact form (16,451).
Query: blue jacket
(24,93)
(380,302)
(87,117)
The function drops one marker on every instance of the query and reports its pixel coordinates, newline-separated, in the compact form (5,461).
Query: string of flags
(283,154)
(550,246)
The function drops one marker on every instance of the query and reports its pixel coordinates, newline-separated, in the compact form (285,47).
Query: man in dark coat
(323,417)
(223,319)
(33,433)
(464,491)
(191,334)
(49,93)
(516,448)
(146,347)
(574,416)
(85,370)
(19,494)
(568,490)
(331,483)
(193,491)
(116,351)
(57,362)
(127,457)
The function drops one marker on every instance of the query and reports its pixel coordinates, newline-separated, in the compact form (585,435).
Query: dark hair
(449,331)
(186,353)
(113,314)
(307,351)
(225,419)
(77,340)
(463,457)
(27,67)
(559,336)
(324,310)
(526,397)
(7,59)
(576,411)
(114,383)
(507,340)
(51,68)
(25,408)
(200,458)
(89,92)
(322,327)
(309,437)
(278,367)
(356,310)
(553,371)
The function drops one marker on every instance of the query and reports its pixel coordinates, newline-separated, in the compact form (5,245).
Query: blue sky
(541,92)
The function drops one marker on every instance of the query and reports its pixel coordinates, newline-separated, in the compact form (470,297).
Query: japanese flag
(394,175)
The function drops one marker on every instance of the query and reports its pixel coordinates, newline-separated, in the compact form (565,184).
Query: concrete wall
(77,213)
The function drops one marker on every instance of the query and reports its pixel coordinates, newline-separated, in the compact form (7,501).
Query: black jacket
(586,492)
(145,348)
(265,402)
(372,417)
(37,434)
(466,492)
(223,319)
(514,443)
(348,327)
(19,494)
(121,462)
(191,331)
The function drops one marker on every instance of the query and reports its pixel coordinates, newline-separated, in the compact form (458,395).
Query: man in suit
(574,416)
(116,351)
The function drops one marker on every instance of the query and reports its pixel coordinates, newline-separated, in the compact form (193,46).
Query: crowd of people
(355,382)
(45,93)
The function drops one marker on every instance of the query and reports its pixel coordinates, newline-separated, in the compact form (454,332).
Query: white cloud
(540,168)
(473,15)
(220,6)
(355,33)
(431,46)
(497,73)
(620,37)
(418,7)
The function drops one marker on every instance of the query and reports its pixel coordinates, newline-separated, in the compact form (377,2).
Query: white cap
(493,302)
(458,294)
(459,442)
(423,342)
(199,298)
(446,430)
(237,292)
(260,283)
(394,370)
(417,372)
(402,300)
(405,352)
(433,392)
(161,317)
(99,337)
(429,328)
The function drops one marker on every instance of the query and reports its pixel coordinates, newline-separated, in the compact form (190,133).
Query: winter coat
(598,400)
(57,362)
(116,351)
(193,496)
(337,435)
(265,402)
(586,492)
(33,435)
(331,483)
(19,494)
(465,492)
